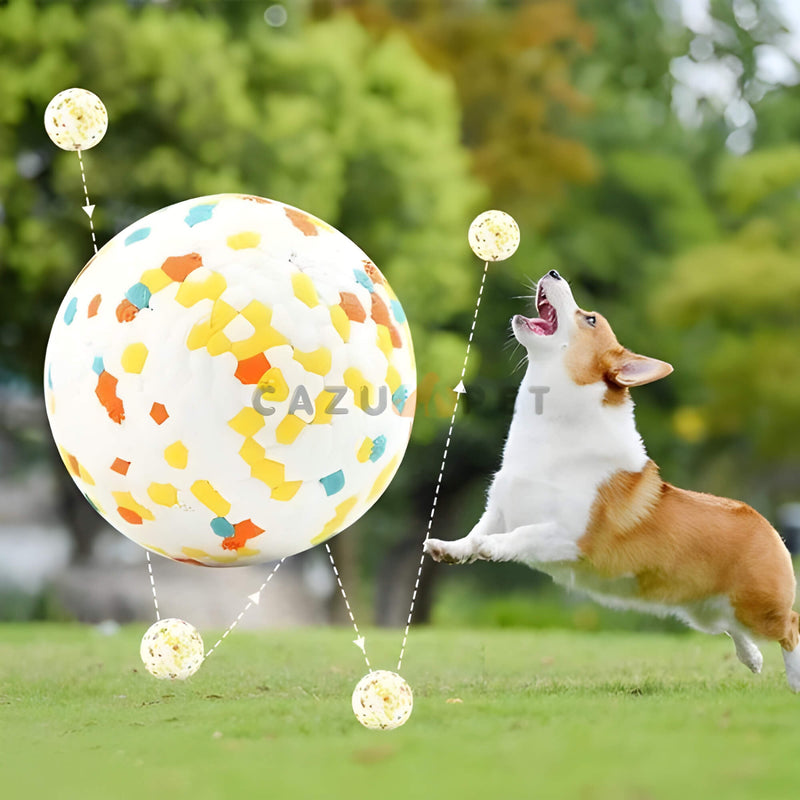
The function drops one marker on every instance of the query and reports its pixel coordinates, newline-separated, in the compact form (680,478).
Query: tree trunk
(345,555)
(80,519)
(395,585)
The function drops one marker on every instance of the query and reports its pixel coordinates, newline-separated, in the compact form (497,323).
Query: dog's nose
(554,274)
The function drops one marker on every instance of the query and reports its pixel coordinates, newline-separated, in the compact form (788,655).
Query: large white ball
(230,380)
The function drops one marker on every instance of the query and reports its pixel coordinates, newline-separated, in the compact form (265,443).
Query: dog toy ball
(76,119)
(494,236)
(172,649)
(382,700)
(230,381)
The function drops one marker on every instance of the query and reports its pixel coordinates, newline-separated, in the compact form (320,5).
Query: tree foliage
(651,214)
(357,131)
(399,121)
(740,296)
(690,248)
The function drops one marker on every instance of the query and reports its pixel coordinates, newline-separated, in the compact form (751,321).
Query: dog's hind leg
(791,660)
(746,651)
(774,619)
(790,647)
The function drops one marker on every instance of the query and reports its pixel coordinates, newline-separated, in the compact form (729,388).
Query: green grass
(545,714)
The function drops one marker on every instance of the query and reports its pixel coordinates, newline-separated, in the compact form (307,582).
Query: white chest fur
(563,444)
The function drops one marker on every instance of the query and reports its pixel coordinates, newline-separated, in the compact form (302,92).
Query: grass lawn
(545,714)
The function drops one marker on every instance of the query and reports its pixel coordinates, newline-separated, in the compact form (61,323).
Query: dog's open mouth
(547,323)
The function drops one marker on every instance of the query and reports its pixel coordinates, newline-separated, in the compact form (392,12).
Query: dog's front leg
(465,551)
(541,543)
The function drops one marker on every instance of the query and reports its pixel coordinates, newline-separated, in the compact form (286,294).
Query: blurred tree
(511,63)
(678,226)
(362,135)
(669,232)
(592,121)
(739,296)
(738,53)
(359,132)
(655,194)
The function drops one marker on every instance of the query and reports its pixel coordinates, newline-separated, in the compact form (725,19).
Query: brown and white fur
(577,497)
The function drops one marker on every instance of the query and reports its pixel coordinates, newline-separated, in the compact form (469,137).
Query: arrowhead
(460,388)
(254,598)
(89,210)
(359,643)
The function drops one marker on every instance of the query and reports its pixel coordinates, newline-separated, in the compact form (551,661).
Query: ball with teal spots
(76,119)
(382,700)
(172,649)
(230,380)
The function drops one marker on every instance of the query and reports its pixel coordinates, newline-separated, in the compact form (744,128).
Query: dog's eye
(591,319)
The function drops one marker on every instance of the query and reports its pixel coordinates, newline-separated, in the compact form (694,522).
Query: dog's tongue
(540,326)
(546,324)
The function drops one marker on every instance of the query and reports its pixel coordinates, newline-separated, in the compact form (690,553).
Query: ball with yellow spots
(76,119)
(494,235)
(172,649)
(230,380)
(382,700)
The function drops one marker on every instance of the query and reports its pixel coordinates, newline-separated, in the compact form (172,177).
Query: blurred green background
(649,150)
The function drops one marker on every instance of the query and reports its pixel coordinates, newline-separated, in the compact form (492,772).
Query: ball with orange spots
(230,380)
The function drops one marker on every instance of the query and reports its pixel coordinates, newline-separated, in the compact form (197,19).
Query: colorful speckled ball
(230,381)
(76,119)
(172,649)
(494,236)
(382,700)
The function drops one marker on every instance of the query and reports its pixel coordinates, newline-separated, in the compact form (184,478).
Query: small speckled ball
(172,649)
(382,700)
(494,236)
(76,119)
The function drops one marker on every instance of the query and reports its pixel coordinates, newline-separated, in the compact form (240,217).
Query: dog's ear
(631,369)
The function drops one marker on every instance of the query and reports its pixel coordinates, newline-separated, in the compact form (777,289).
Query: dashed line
(358,638)
(152,582)
(245,609)
(441,470)
(88,203)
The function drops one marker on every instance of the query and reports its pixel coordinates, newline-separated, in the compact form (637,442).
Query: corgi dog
(577,497)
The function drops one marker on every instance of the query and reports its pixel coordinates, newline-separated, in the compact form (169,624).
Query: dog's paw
(484,551)
(447,552)
(755,661)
